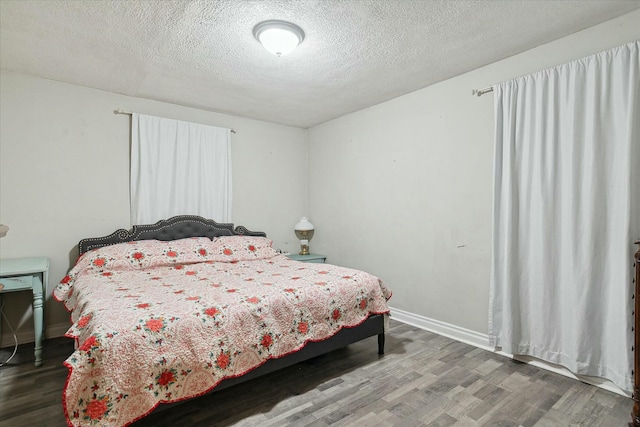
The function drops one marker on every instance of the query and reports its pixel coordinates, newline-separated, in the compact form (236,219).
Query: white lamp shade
(278,37)
(304,225)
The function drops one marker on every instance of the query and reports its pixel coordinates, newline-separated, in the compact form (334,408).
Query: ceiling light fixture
(278,37)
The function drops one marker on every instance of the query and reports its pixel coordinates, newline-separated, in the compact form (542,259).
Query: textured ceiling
(202,53)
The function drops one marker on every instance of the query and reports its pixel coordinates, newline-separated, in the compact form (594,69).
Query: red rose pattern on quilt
(173,330)
(242,248)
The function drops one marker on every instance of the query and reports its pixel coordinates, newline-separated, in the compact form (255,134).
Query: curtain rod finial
(480,92)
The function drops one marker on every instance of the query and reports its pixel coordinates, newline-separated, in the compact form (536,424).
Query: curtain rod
(119,111)
(481,92)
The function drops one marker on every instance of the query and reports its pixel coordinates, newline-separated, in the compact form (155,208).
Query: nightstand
(315,258)
(28,274)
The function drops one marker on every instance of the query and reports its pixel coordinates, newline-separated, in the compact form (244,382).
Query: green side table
(315,258)
(28,274)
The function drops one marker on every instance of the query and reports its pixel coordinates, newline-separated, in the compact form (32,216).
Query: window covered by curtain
(566,211)
(179,168)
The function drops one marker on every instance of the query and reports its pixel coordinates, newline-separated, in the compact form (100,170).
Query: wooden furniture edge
(36,268)
(635,412)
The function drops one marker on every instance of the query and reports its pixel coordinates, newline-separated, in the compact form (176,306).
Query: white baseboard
(480,340)
(27,336)
(457,333)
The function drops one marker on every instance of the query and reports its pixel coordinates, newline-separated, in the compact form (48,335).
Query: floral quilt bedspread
(165,321)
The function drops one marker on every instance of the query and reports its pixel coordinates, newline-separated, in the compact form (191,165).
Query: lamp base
(304,249)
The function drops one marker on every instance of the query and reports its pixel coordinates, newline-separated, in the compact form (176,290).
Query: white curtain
(566,213)
(179,168)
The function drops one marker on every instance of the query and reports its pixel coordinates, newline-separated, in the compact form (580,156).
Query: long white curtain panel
(179,168)
(566,213)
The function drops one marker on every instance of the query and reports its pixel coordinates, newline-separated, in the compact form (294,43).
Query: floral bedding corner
(165,321)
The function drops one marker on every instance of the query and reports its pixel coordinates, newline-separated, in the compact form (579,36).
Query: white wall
(64,175)
(404,189)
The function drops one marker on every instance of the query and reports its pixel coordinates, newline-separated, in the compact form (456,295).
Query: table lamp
(304,231)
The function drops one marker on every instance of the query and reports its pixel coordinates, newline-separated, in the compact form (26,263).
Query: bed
(170,311)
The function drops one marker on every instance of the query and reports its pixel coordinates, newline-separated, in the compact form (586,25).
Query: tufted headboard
(178,227)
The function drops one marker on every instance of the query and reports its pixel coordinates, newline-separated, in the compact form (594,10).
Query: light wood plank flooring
(423,380)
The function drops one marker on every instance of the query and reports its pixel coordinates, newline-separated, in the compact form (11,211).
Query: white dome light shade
(278,37)
(279,42)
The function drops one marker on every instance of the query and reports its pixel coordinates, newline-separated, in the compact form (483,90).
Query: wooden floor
(423,380)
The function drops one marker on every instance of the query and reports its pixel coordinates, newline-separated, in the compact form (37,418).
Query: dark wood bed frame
(183,226)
